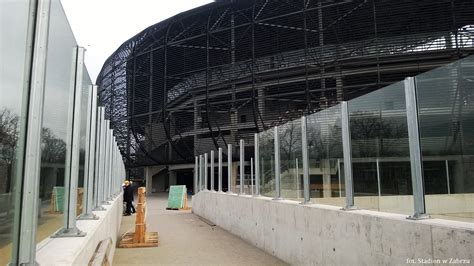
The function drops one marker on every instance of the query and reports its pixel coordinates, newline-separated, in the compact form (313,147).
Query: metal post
(304,144)
(257,165)
(212,171)
(298,194)
(219,171)
(277,164)
(447,177)
(378,177)
(200,173)
(98,156)
(339,177)
(106,171)
(206,159)
(251,176)
(89,171)
(196,174)
(72,155)
(242,167)
(28,218)
(346,147)
(415,150)
(229,168)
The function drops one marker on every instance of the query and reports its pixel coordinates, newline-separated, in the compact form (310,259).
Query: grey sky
(101,26)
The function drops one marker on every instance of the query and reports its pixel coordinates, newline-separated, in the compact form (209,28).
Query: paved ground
(186,240)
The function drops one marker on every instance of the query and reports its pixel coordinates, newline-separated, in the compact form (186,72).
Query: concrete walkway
(184,239)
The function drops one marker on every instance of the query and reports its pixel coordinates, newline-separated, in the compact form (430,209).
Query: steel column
(277,163)
(304,143)
(242,167)
(219,171)
(229,168)
(257,164)
(89,169)
(212,171)
(346,147)
(72,155)
(415,150)
(27,220)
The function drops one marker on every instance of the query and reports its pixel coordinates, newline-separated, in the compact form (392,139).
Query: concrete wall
(79,250)
(326,235)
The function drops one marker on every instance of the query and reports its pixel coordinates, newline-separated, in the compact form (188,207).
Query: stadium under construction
(219,73)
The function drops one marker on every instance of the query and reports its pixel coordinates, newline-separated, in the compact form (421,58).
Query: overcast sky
(101,26)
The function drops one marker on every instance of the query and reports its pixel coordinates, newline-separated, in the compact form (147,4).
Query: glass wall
(325,156)
(446,118)
(86,90)
(14,55)
(380,151)
(291,163)
(267,163)
(58,99)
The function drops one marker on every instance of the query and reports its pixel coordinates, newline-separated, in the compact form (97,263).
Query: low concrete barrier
(80,250)
(326,235)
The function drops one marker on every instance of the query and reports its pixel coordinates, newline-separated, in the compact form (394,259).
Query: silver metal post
(378,177)
(196,174)
(346,147)
(277,164)
(219,171)
(251,176)
(201,172)
(38,37)
(257,165)
(72,156)
(297,178)
(229,168)
(98,156)
(339,177)
(206,160)
(415,150)
(108,142)
(212,171)
(447,177)
(304,144)
(242,167)
(89,169)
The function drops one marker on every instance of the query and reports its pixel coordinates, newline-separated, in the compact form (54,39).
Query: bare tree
(9,123)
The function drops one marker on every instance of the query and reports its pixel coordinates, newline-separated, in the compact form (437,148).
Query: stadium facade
(219,73)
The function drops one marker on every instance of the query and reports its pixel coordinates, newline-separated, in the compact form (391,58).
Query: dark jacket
(128,193)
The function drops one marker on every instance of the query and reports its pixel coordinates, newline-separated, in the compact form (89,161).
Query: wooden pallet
(128,240)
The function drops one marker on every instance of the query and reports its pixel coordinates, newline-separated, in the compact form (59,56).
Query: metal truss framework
(216,74)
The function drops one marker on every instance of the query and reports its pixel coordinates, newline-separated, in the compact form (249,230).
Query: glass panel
(380,151)
(325,157)
(291,163)
(13,52)
(86,88)
(57,103)
(267,163)
(446,118)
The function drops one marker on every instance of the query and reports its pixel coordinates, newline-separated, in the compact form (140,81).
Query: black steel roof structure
(221,72)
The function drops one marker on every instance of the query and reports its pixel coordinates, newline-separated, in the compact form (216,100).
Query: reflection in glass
(57,104)
(291,163)
(267,163)
(446,118)
(380,151)
(325,156)
(14,17)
